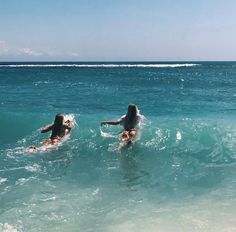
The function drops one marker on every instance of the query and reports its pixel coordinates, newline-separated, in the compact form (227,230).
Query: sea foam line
(100,65)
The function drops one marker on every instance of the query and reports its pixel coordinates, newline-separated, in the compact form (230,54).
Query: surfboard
(48,145)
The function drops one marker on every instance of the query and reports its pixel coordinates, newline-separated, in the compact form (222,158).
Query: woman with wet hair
(131,123)
(59,129)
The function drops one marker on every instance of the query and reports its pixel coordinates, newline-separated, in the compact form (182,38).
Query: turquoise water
(179,176)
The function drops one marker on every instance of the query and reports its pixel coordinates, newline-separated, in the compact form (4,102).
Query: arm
(46,128)
(117,122)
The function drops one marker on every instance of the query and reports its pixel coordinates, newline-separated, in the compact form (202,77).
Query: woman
(59,130)
(131,123)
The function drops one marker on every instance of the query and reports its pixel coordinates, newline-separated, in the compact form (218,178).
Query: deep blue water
(179,174)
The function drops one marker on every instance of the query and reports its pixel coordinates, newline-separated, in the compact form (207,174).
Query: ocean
(179,176)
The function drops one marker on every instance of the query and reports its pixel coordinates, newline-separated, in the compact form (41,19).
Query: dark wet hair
(132,112)
(58,122)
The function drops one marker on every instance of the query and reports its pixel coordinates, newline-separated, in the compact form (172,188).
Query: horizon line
(117,61)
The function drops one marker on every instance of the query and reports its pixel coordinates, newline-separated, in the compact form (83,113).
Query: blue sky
(117,30)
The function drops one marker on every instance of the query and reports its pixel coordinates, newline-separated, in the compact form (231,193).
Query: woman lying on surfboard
(59,129)
(131,123)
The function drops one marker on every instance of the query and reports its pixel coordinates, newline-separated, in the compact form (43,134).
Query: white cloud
(74,54)
(3,48)
(29,52)
(25,52)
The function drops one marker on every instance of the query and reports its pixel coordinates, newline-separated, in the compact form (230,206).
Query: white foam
(107,134)
(22,181)
(71,118)
(100,65)
(95,192)
(49,199)
(178,135)
(32,168)
(7,228)
(2,180)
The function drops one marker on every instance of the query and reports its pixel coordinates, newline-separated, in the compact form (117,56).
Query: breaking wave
(100,65)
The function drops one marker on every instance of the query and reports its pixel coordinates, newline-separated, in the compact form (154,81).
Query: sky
(117,30)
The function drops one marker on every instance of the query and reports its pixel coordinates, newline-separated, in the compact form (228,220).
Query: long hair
(131,116)
(58,122)
(132,112)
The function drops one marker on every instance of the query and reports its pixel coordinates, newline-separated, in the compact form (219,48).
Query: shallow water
(178,176)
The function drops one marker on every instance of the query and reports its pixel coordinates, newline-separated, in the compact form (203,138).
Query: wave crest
(99,65)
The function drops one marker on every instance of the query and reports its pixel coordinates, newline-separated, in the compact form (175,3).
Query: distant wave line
(99,65)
